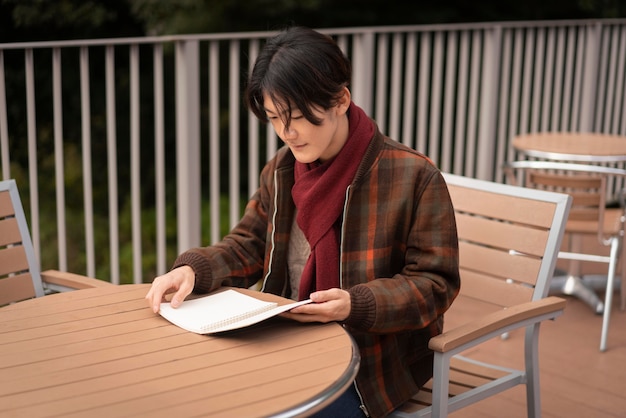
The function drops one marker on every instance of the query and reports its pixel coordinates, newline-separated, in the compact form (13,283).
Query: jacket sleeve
(237,260)
(423,281)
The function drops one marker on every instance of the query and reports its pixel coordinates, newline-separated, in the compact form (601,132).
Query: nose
(288,132)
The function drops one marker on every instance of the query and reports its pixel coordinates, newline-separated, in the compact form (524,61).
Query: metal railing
(458,93)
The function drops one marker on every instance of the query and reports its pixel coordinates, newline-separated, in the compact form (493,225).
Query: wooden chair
(588,217)
(20,276)
(508,243)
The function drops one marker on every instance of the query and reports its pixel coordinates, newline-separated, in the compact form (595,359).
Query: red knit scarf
(319,194)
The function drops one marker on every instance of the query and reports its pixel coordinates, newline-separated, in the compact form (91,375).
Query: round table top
(591,147)
(103,353)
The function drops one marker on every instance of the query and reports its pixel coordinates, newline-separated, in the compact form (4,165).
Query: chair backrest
(508,239)
(588,191)
(19,270)
(586,184)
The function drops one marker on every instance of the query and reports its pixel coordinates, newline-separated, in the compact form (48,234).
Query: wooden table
(103,352)
(586,148)
(579,147)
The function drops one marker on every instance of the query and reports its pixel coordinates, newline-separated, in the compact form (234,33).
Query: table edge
(571,157)
(331,393)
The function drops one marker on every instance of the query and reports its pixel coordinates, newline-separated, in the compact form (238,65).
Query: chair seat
(465,375)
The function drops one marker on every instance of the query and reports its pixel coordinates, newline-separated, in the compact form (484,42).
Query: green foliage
(198,16)
(42,20)
(60,13)
(22,20)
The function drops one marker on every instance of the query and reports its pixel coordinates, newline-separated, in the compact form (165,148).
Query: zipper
(362,407)
(273,240)
(342,237)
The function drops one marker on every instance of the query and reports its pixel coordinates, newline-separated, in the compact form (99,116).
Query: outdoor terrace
(131,160)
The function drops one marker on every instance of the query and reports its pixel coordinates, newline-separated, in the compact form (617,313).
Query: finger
(325,295)
(303,317)
(155,296)
(150,297)
(155,302)
(180,296)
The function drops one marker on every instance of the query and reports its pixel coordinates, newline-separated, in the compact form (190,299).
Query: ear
(343,101)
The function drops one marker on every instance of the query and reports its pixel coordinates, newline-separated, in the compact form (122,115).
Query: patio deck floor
(577,380)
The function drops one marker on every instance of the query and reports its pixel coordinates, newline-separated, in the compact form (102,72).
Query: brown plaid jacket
(399,261)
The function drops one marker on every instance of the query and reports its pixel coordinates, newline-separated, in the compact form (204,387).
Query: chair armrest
(71,280)
(496,323)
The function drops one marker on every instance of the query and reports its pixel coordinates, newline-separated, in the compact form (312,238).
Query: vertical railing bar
(529,48)
(4,128)
(214,140)
(517,38)
(472,123)
(159,156)
(610,88)
(486,162)
(396,94)
(424,86)
(272,141)
(557,102)
(621,69)
(362,80)
(601,83)
(253,130)
(111,123)
(589,98)
(86,157)
(620,99)
(188,181)
(448,117)
(233,141)
(342,43)
(570,73)
(382,78)
(578,83)
(434,123)
(59,161)
(504,102)
(548,85)
(33,180)
(135,163)
(538,80)
(408,105)
(461,106)
(621,80)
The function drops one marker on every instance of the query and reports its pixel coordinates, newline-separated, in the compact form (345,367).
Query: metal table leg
(583,288)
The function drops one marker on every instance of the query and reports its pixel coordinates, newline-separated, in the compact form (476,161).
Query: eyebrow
(279,114)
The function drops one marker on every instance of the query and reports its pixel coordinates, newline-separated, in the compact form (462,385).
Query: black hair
(299,69)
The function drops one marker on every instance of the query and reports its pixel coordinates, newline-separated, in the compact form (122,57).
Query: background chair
(20,276)
(588,218)
(508,241)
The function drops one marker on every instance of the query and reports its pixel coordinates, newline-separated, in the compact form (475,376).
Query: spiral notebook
(222,311)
